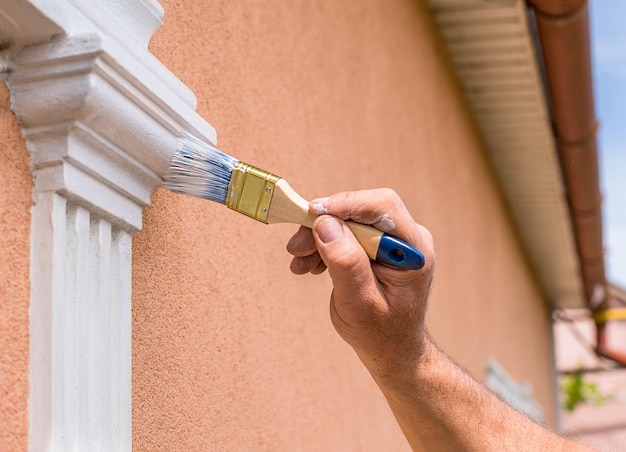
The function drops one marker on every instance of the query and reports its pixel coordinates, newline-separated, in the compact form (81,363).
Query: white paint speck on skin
(385,223)
(320,209)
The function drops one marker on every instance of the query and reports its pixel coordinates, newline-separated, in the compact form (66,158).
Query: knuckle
(389,195)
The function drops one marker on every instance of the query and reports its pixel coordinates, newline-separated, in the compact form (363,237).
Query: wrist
(403,363)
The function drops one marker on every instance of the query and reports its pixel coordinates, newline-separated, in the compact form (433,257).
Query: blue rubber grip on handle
(396,253)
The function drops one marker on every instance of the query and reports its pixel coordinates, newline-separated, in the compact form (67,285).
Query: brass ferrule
(250,191)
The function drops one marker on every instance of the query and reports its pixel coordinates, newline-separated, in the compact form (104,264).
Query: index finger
(381,208)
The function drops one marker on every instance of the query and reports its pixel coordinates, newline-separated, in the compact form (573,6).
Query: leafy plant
(576,390)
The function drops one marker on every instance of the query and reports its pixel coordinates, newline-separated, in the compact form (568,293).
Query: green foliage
(576,390)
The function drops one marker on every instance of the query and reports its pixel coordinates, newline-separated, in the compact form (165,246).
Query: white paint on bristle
(198,169)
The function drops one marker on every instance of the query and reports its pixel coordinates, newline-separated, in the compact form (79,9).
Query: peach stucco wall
(231,351)
(15,195)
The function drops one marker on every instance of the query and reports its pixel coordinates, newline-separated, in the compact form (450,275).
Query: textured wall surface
(231,351)
(15,201)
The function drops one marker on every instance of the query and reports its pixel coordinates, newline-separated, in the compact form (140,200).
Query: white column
(80,329)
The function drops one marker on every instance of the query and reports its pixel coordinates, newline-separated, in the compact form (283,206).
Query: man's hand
(378,310)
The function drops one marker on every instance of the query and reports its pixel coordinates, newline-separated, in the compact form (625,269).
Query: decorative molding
(101,117)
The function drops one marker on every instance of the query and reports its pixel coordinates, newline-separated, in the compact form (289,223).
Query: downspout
(563,29)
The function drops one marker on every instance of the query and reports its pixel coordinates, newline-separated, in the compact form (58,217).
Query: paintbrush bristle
(198,169)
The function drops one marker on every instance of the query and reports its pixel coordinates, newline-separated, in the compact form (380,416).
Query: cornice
(110,115)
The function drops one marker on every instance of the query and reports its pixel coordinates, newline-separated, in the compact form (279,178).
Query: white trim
(101,117)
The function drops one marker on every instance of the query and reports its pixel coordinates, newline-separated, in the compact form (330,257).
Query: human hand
(378,310)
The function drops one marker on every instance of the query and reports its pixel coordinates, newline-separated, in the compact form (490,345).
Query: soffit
(491,47)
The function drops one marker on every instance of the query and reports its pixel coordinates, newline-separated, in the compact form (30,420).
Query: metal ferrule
(250,191)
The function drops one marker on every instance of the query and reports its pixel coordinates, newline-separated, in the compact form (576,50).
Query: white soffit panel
(491,47)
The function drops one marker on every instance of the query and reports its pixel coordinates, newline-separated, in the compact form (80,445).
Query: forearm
(440,407)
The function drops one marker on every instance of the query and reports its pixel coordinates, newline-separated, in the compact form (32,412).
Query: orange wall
(231,351)
(15,196)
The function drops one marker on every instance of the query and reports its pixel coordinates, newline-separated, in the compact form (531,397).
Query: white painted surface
(83,330)
(101,117)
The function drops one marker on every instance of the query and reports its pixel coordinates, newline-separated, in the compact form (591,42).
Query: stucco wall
(15,196)
(231,351)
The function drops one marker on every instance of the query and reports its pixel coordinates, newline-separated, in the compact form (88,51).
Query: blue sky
(608,41)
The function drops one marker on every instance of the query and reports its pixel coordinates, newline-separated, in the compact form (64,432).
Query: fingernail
(329,230)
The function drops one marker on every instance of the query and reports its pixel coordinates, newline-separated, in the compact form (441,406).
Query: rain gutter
(563,29)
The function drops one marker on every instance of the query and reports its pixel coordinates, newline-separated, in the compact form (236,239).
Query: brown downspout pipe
(563,29)
(604,349)
(614,312)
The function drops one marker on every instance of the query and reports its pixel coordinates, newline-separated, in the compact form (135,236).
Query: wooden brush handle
(288,206)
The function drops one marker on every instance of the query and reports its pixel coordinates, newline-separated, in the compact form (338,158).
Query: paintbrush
(199,169)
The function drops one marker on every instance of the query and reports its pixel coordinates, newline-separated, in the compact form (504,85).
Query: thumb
(348,264)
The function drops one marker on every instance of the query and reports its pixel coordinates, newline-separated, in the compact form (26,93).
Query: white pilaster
(101,117)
